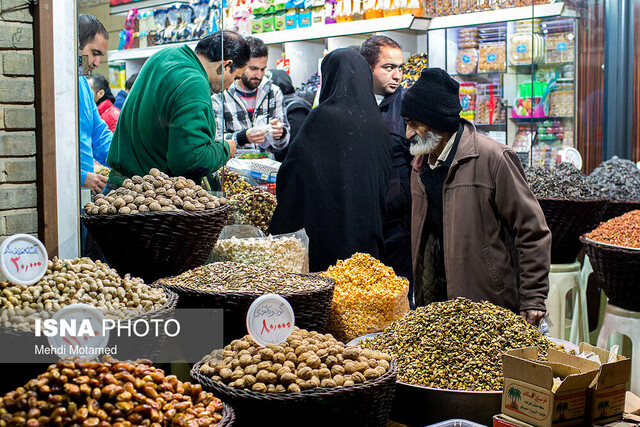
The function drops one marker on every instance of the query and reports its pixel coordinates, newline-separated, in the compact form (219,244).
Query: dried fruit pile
(617,179)
(368,296)
(456,344)
(565,181)
(154,192)
(307,360)
(621,231)
(109,394)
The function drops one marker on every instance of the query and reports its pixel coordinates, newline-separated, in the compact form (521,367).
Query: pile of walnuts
(154,192)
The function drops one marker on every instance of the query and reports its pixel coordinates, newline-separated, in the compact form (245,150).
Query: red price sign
(23,259)
(270,320)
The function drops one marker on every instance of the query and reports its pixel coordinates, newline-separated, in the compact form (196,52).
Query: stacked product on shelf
(455,7)
(526,46)
(489,107)
(468,100)
(467,61)
(492,49)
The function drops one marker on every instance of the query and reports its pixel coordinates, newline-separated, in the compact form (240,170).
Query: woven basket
(616,208)
(228,416)
(364,404)
(147,347)
(152,245)
(568,219)
(617,269)
(311,307)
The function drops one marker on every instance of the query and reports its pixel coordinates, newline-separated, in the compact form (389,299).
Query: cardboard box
(608,390)
(528,387)
(503,420)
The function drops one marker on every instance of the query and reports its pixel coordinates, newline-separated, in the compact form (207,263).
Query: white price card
(77,330)
(270,320)
(23,259)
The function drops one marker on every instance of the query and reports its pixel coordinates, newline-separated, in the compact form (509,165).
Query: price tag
(270,319)
(84,335)
(571,155)
(23,259)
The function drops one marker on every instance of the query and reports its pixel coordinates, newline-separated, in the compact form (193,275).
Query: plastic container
(467,61)
(444,7)
(523,139)
(430,8)
(492,57)
(456,423)
(561,99)
(559,47)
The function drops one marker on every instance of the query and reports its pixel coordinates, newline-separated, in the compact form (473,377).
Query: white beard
(421,145)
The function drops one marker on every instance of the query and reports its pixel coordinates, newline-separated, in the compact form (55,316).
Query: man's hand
(533,316)
(232,148)
(278,128)
(95,182)
(256,136)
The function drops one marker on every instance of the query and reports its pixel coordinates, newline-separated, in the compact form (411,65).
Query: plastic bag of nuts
(307,360)
(284,252)
(109,394)
(253,206)
(368,296)
(154,192)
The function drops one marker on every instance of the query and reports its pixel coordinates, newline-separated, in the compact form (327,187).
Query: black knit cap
(433,100)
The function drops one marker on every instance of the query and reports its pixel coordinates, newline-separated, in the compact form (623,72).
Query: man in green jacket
(168,121)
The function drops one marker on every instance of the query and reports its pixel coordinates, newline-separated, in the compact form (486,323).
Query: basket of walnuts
(156,226)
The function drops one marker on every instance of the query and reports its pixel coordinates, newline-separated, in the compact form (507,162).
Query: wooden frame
(45,126)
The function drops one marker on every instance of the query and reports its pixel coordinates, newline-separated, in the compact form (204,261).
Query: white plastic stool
(562,279)
(580,320)
(625,322)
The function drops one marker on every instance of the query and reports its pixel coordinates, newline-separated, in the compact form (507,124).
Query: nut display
(233,183)
(621,231)
(78,280)
(154,192)
(413,68)
(253,206)
(565,181)
(307,360)
(456,344)
(368,296)
(234,277)
(283,253)
(617,179)
(493,57)
(467,61)
(109,394)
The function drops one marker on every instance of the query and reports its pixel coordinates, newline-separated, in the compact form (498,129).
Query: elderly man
(477,230)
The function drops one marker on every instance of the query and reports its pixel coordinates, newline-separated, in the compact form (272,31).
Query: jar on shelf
(561,99)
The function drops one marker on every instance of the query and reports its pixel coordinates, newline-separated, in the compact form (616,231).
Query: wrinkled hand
(232,148)
(533,316)
(278,128)
(95,182)
(256,136)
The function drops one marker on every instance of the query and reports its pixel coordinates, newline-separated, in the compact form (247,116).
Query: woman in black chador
(334,179)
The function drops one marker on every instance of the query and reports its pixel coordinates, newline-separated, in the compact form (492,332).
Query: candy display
(412,69)
(307,360)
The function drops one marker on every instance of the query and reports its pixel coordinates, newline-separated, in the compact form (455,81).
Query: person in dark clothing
(384,56)
(122,95)
(297,107)
(334,179)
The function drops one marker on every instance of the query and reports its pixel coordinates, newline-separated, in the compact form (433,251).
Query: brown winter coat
(496,241)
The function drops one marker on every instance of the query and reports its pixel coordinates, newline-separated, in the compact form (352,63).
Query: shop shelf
(123,9)
(493,127)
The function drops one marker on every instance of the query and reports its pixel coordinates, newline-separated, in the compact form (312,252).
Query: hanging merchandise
(183,33)
(170,33)
(215,16)
(291,17)
(256,21)
(200,13)
(279,17)
(330,12)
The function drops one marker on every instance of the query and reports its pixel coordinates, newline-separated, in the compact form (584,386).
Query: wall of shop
(18,194)
(113,24)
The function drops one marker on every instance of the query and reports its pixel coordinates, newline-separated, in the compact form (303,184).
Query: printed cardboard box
(528,387)
(608,390)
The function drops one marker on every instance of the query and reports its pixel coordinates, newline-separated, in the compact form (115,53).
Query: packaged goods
(561,99)
(467,61)
(233,183)
(253,206)
(565,181)
(526,48)
(489,107)
(307,360)
(467,94)
(559,47)
(287,252)
(79,280)
(456,344)
(112,393)
(234,277)
(493,57)
(444,7)
(620,231)
(368,296)
(617,179)
(152,193)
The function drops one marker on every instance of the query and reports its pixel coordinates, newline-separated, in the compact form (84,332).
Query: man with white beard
(477,231)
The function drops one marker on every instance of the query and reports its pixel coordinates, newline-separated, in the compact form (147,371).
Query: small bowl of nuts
(309,373)
(156,226)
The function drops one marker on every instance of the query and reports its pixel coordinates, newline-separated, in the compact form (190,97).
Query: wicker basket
(364,404)
(617,269)
(149,347)
(152,245)
(568,219)
(228,416)
(616,208)
(311,307)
